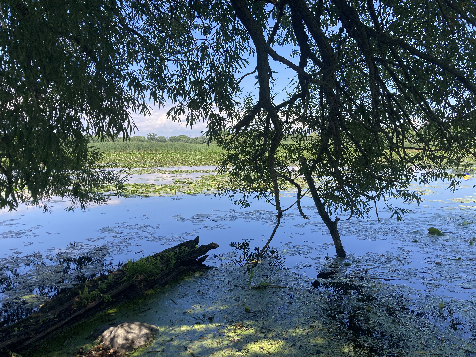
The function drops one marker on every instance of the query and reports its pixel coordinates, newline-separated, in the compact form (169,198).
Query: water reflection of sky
(167,175)
(396,252)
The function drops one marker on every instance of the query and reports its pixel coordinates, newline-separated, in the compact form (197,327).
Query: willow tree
(371,91)
(65,73)
(374,92)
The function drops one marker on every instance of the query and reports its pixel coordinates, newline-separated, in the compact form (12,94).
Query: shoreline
(214,313)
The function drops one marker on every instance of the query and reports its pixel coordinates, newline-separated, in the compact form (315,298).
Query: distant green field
(156,154)
(152,146)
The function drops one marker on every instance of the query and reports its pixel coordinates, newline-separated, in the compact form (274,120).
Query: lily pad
(435,231)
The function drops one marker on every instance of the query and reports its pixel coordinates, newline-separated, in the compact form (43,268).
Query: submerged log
(133,279)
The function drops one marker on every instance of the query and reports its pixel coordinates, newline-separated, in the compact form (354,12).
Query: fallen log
(131,280)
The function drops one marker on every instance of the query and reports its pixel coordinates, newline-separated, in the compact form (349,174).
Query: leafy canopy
(65,73)
(374,92)
(371,92)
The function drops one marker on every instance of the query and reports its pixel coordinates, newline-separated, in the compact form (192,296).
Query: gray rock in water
(128,336)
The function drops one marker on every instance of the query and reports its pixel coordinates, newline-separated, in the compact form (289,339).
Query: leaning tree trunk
(331,224)
(130,281)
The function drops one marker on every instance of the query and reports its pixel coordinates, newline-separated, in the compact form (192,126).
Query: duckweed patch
(435,231)
(206,315)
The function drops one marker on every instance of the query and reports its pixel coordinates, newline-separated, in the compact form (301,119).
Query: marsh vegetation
(423,278)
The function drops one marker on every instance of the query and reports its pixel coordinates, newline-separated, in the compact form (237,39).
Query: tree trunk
(331,224)
(96,295)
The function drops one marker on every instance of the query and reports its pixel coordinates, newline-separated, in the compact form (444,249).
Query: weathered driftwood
(85,300)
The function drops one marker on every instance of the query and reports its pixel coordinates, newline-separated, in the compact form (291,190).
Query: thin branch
(299,195)
(245,75)
(389,40)
(248,118)
(266,246)
(278,22)
(291,100)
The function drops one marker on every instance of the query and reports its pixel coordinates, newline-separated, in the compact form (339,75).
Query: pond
(45,251)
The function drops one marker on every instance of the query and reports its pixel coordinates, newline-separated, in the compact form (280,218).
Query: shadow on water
(217,313)
(349,304)
(48,277)
(376,319)
(396,270)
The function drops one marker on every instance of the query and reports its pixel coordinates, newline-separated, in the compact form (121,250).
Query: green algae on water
(435,231)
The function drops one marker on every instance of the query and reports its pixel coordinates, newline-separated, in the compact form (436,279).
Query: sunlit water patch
(216,314)
(42,252)
(167,175)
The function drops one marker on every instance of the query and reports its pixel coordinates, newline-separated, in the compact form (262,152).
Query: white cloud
(158,123)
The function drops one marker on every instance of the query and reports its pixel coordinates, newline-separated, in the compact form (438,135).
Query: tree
(378,91)
(140,139)
(180,139)
(155,137)
(65,75)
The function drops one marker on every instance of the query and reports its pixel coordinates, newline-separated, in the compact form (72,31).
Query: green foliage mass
(153,146)
(373,93)
(144,267)
(369,92)
(65,72)
(434,231)
(150,267)
(151,137)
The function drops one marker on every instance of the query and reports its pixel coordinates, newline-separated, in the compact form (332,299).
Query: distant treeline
(171,139)
(158,139)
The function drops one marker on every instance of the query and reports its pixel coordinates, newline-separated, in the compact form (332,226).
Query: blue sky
(158,123)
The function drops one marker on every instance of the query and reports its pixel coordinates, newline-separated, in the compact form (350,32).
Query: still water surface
(35,245)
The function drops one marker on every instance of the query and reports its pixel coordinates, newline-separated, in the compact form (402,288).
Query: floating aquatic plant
(252,259)
(434,231)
